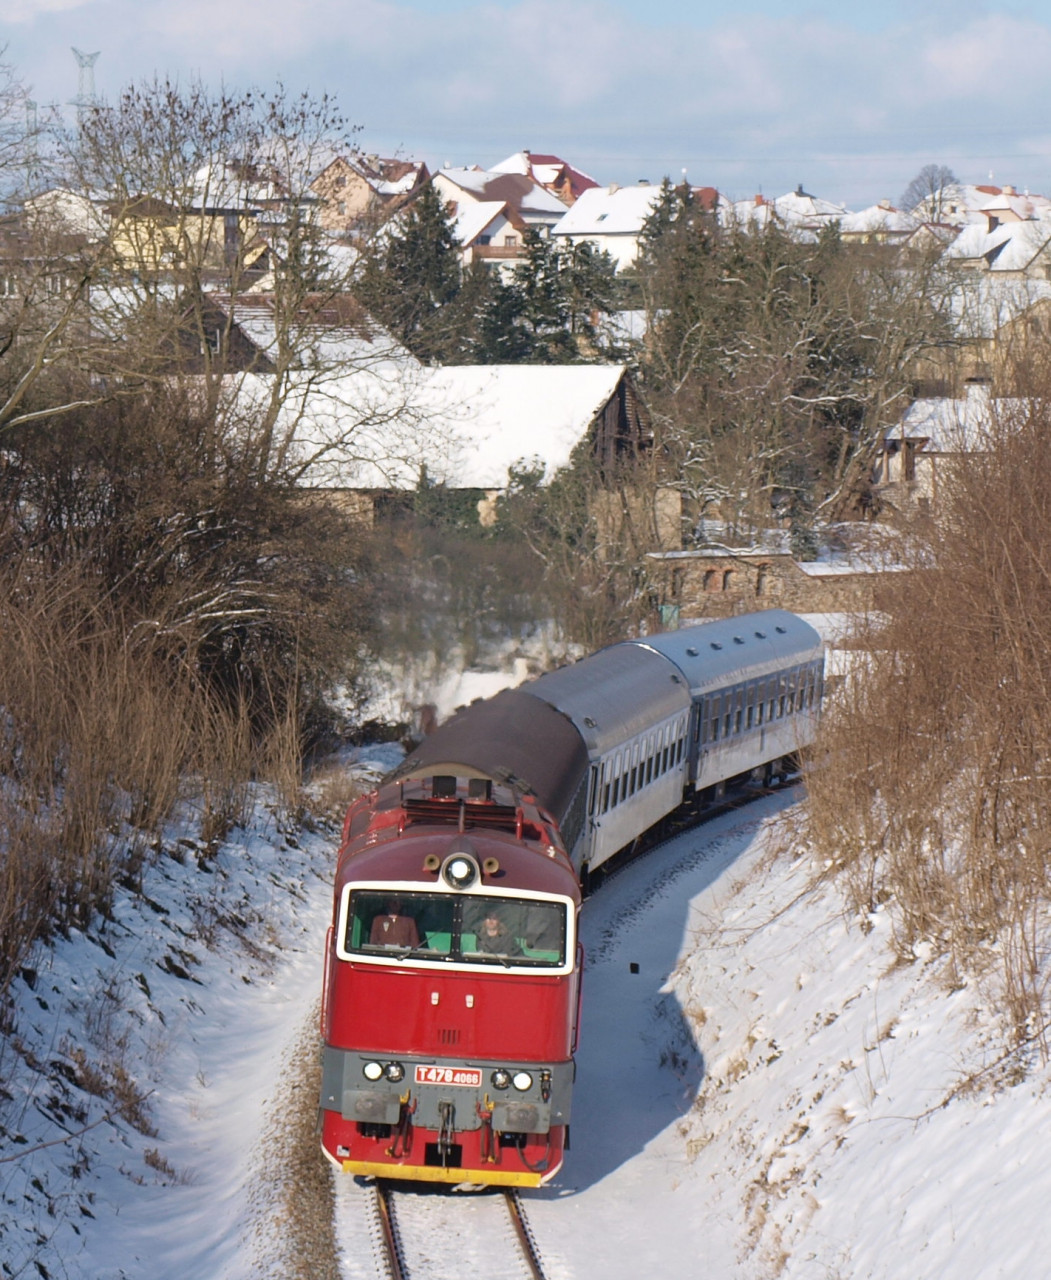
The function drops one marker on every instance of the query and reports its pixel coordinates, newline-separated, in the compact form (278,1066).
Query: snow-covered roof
(983,304)
(877,219)
(377,426)
(1022,207)
(1011,246)
(800,207)
(549,171)
(335,334)
(958,202)
(962,425)
(518,190)
(610,211)
(472,219)
(755,214)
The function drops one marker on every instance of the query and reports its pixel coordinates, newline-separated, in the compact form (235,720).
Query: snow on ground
(765,1088)
(774,1092)
(150,1053)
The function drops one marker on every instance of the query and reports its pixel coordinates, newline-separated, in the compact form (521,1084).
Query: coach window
(772,705)
(738,708)
(760,702)
(605,786)
(749,710)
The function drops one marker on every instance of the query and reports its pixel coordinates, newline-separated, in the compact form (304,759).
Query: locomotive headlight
(372,1070)
(394,1072)
(500,1078)
(460,872)
(521,1080)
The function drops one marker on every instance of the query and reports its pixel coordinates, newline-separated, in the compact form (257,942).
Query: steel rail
(389,1233)
(522,1231)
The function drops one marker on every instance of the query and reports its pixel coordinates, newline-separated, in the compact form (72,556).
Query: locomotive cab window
(460,928)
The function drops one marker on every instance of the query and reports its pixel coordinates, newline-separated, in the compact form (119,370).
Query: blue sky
(849,101)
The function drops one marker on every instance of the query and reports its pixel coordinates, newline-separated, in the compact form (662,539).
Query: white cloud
(27,10)
(746,100)
(997,54)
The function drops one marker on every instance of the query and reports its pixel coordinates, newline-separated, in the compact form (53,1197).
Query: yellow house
(149,237)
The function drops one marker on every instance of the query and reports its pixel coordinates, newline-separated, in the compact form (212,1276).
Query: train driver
(392,929)
(494,937)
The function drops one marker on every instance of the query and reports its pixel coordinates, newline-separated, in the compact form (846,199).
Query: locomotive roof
(511,737)
(732,649)
(614,694)
(400,859)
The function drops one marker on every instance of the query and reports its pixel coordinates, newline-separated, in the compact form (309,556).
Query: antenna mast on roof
(85,98)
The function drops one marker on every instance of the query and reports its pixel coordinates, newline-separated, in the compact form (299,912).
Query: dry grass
(936,792)
(102,727)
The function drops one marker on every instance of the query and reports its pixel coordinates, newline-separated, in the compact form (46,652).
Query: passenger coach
(452,975)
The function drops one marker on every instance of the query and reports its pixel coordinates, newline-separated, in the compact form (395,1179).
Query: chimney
(612,189)
(885,204)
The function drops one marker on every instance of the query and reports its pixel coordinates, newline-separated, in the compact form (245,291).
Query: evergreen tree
(413,277)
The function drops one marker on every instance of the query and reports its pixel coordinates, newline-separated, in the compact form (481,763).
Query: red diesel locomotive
(453,968)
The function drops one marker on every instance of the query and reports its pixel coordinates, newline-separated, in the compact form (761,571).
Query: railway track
(423,1232)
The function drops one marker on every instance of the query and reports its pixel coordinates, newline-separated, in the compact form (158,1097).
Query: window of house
(728,578)
(711,580)
(510,242)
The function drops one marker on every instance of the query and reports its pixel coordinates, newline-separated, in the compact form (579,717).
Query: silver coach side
(755,682)
(631,707)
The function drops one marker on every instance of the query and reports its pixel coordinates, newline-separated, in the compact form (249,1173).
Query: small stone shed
(720,582)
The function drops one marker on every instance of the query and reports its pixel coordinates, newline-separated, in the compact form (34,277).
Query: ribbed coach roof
(745,647)
(614,694)
(512,736)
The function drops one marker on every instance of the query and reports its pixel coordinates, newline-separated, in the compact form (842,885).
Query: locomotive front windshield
(461,927)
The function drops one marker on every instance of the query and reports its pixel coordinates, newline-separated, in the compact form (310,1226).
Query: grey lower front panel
(345,1088)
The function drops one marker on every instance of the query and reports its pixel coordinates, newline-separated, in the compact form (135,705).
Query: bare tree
(927,191)
(773,365)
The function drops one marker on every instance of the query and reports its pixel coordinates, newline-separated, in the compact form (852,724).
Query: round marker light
(500,1078)
(394,1072)
(372,1070)
(460,871)
(521,1080)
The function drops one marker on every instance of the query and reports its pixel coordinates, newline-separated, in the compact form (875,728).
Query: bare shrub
(935,793)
